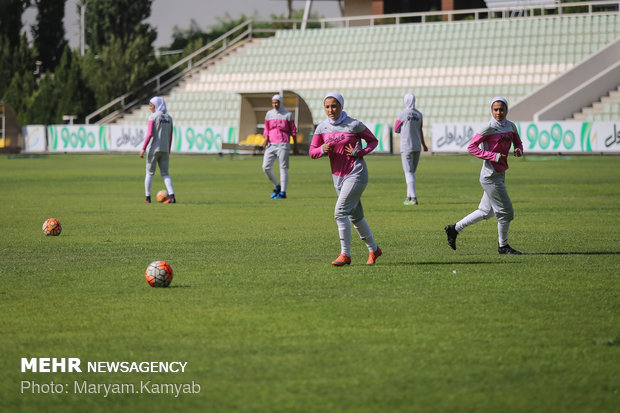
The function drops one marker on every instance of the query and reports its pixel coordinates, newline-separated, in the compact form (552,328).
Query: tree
(42,110)
(74,98)
(117,20)
(19,94)
(49,33)
(18,58)
(11,19)
(118,69)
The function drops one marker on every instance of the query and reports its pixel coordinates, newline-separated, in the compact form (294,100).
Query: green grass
(266,324)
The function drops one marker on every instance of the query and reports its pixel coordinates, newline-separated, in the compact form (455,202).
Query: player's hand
(141,154)
(518,152)
(425,148)
(326,147)
(502,158)
(265,142)
(350,150)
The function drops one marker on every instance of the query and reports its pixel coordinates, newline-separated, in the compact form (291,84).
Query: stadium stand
(453,68)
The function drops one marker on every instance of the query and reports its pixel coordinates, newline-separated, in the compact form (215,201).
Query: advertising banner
(126,138)
(78,138)
(34,138)
(537,137)
(202,139)
(382,133)
(185,139)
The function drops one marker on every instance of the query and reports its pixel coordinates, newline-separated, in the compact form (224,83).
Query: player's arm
(474,149)
(518,144)
(149,135)
(371,142)
(293,129)
(398,125)
(318,147)
(266,134)
(170,140)
(422,138)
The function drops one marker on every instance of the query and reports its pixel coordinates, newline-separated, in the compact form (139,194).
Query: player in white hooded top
(159,136)
(409,125)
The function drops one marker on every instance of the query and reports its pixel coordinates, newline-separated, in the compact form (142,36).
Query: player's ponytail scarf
(409,101)
(495,123)
(278,97)
(343,114)
(160,105)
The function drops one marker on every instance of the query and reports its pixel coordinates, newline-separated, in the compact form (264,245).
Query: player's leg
(148,179)
(504,211)
(268,161)
(164,163)
(407,162)
(283,161)
(415,158)
(345,203)
(484,211)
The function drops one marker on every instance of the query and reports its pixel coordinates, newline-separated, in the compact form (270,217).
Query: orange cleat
(372,256)
(341,260)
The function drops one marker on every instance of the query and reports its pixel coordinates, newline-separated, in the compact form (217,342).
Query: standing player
(279,127)
(159,136)
(496,140)
(409,125)
(339,137)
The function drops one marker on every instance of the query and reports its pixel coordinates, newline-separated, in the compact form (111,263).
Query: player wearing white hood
(409,125)
(492,144)
(279,127)
(159,135)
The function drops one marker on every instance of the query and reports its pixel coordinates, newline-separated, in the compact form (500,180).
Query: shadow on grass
(442,263)
(574,253)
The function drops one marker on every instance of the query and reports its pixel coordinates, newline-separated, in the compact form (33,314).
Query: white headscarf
(410,101)
(343,114)
(160,105)
(278,97)
(495,122)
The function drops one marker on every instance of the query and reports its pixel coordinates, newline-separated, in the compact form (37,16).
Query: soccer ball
(162,196)
(158,274)
(52,227)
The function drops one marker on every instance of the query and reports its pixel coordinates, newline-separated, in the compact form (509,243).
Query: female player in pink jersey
(279,127)
(339,137)
(495,140)
(159,136)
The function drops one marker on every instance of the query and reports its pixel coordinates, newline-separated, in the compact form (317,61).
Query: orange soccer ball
(162,196)
(52,227)
(158,274)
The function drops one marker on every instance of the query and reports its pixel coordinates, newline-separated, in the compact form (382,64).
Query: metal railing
(173,73)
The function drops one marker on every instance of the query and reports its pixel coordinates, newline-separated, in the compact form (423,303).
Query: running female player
(496,139)
(339,137)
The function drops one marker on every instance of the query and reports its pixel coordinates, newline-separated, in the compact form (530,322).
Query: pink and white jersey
(279,126)
(348,132)
(493,140)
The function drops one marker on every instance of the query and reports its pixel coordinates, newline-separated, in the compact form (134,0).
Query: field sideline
(266,324)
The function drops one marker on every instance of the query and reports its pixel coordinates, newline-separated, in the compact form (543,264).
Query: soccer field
(262,320)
